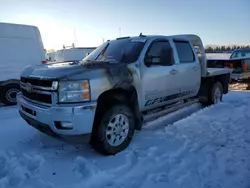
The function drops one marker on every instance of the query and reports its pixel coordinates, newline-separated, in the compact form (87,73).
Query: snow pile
(92,175)
(15,171)
(194,147)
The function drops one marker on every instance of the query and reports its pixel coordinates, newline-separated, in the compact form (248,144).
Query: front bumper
(44,118)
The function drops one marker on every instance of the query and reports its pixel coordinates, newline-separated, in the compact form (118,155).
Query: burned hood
(57,70)
(68,71)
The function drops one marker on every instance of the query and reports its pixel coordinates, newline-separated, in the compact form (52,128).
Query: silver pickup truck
(117,87)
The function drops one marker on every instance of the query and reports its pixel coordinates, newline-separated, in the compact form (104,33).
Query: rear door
(157,81)
(189,75)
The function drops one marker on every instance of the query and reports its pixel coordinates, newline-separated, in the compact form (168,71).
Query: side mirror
(167,57)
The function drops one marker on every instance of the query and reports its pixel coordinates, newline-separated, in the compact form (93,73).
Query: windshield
(240,53)
(121,50)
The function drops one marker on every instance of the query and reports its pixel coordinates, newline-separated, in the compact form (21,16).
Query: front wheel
(115,130)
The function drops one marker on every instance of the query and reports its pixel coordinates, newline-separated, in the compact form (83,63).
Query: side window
(185,52)
(155,50)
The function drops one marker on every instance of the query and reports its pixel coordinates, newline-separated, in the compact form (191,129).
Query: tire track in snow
(209,149)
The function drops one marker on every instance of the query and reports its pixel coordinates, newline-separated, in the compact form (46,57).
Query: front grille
(44,98)
(37,82)
(37,90)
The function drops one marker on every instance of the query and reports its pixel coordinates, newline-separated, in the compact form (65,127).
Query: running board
(168,109)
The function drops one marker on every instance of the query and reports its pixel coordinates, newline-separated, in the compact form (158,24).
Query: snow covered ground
(191,148)
(218,55)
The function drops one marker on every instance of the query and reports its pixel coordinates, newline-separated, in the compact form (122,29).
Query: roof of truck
(154,36)
(195,39)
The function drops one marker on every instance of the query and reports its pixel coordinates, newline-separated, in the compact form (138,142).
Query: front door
(157,81)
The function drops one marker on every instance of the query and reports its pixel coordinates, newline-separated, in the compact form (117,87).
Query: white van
(72,54)
(20,46)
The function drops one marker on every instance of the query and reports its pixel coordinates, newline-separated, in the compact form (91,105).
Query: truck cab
(121,84)
(240,53)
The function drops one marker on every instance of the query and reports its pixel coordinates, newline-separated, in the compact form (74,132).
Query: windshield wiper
(74,62)
(103,51)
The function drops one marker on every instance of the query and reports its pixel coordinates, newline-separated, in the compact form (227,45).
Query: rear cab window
(184,51)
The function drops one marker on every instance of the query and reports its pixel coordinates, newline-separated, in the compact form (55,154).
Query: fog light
(63,125)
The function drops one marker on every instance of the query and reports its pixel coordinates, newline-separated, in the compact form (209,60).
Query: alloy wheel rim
(117,129)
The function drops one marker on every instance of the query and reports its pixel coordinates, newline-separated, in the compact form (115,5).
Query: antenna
(119,32)
(141,35)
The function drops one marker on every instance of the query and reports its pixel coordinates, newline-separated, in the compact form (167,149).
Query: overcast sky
(215,21)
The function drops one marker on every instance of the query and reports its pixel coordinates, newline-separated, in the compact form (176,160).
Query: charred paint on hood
(119,75)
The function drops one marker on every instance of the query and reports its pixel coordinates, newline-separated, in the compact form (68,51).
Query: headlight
(74,91)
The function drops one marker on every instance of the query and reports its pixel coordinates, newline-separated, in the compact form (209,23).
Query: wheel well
(207,83)
(224,80)
(116,96)
(7,82)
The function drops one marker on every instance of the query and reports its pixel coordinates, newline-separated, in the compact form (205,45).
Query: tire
(216,93)
(114,130)
(8,94)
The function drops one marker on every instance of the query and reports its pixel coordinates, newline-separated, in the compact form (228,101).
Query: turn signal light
(86,95)
(86,85)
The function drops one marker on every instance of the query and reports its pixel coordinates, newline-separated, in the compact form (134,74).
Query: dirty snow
(193,147)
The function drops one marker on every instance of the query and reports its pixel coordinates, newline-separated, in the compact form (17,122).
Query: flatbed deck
(217,71)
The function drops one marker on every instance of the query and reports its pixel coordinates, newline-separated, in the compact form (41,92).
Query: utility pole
(74,37)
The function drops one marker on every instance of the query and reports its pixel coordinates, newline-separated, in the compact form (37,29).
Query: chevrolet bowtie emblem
(28,87)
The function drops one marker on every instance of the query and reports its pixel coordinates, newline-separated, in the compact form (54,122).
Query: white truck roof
(72,54)
(20,46)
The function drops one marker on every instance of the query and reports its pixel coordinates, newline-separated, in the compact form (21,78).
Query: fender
(7,82)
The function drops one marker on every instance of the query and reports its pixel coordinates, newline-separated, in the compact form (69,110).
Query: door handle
(195,68)
(173,71)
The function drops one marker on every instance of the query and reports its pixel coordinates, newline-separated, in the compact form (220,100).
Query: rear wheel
(216,93)
(8,94)
(114,130)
